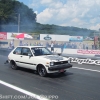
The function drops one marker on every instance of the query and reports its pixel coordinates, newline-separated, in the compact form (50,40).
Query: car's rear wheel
(13,65)
(42,71)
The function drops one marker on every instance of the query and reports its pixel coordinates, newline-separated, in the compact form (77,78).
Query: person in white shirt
(12,44)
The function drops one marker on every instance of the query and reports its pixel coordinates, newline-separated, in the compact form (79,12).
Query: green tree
(9,11)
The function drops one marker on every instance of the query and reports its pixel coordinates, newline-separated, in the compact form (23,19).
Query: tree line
(14,13)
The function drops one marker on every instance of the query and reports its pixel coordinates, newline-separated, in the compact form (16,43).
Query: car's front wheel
(13,65)
(42,71)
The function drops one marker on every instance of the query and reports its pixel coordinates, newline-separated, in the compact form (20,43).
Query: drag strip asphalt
(76,84)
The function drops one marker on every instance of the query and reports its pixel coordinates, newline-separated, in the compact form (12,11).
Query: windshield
(38,51)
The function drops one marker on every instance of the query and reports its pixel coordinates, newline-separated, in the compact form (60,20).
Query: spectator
(52,46)
(62,48)
(20,43)
(87,47)
(12,44)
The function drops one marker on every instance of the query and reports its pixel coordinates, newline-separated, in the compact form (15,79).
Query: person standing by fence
(62,47)
(12,44)
(52,46)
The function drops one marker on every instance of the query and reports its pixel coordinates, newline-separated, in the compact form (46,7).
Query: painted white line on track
(35,96)
(87,69)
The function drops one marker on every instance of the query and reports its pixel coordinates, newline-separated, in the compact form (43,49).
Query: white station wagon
(38,58)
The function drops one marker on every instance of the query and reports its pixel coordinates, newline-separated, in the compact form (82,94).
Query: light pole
(18,22)
(99,39)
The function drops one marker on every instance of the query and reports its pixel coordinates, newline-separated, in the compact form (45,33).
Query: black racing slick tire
(13,65)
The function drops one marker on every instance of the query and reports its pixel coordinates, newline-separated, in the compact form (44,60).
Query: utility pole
(18,23)
(95,41)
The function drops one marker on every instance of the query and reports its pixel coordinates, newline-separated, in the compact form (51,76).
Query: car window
(26,51)
(38,51)
(17,51)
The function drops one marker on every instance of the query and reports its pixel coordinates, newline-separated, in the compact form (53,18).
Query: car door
(26,59)
(17,55)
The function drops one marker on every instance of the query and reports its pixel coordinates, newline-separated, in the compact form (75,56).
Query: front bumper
(59,67)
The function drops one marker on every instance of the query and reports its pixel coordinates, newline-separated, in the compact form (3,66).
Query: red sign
(3,35)
(88,51)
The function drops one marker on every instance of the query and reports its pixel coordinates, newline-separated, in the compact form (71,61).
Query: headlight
(51,63)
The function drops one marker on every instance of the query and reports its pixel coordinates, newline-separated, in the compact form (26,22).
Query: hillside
(54,29)
(20,18)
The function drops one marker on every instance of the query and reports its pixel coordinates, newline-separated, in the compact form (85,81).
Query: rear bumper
(59,67)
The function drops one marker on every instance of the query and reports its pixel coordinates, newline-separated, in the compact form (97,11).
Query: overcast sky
(78,13)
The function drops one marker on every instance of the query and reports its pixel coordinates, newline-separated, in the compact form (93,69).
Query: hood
(54,57)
